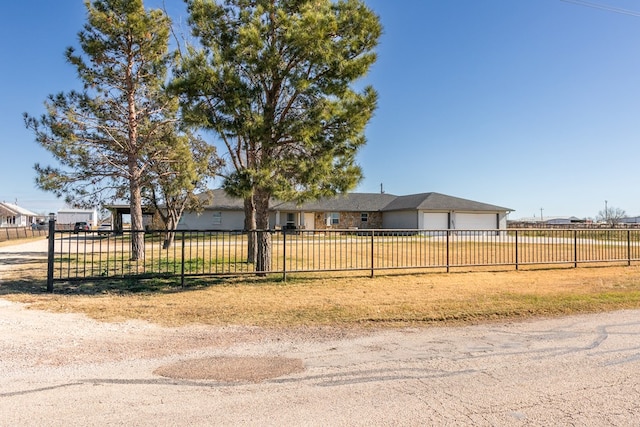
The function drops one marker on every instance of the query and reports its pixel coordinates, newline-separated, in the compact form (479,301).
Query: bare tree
(611,215)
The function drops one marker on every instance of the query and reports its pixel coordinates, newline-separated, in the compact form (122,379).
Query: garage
(475,221)
(435,221)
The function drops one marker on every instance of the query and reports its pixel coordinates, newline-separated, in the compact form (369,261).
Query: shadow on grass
(26,272)
(121,286)
(27,275)
(34,282)
(15,258)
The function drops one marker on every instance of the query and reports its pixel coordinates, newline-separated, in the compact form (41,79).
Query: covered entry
(119,211)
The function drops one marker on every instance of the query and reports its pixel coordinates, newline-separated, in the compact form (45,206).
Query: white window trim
(217,218)
(331,216)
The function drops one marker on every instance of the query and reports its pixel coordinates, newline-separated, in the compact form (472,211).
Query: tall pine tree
(115,135)
(275,80)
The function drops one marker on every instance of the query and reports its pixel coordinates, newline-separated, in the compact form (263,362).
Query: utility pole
(541,218)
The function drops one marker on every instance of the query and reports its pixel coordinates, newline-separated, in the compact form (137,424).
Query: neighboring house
(629,220)
(14,216)
(564,220)
(425,211)
(551,220)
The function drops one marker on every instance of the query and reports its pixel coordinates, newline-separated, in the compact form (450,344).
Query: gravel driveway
(65,369)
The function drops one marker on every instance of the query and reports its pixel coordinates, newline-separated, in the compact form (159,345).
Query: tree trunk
(170,226)
(250,227)
(137,227)
(169,239)
(263,237)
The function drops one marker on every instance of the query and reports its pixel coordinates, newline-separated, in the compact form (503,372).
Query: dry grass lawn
(428,298)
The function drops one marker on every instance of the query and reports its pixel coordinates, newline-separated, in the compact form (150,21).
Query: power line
(604,7)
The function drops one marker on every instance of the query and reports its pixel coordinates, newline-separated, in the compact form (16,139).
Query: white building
(71,216)
(14,216)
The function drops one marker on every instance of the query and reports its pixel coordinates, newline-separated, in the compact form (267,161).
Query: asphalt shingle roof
(355,202)
(223,201)
(437,201)
(365,202)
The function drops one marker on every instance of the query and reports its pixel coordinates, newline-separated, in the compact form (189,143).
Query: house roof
(364,202)
(550,219)
(16,210)
(222,201)
(360,202)
(436,202)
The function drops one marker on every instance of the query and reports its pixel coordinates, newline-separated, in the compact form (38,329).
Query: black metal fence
(93,256)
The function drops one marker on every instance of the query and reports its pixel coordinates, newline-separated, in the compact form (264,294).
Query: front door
(308,221)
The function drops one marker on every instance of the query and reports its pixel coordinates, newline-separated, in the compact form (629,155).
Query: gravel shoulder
(66,369)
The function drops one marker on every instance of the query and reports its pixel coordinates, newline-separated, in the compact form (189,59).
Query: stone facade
(349,220)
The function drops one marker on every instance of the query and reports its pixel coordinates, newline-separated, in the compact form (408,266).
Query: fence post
(50,250)
(628,247)
(575,248)
(516,249)
(372,249)
(448,234)
(284,255)
(182,262)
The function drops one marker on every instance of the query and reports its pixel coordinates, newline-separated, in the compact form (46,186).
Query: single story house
(424,211)
(564,220)
(14,216)
(550,220)
(629,220)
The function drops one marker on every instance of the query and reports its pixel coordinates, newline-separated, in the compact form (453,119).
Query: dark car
(81,226)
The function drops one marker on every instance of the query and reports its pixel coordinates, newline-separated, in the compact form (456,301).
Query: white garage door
(435,221)
(469,221)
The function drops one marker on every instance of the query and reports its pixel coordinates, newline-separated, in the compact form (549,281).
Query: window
(217,218)
(333,218)
(364,217)
(291,218)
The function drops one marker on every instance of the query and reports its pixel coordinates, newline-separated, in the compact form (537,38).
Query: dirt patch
(232,369)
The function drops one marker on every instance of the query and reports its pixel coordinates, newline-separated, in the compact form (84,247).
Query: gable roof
(363,202)
(222,200)
(354,202)
(16,210)
(439,202)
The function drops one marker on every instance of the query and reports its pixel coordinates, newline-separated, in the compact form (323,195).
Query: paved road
(64,369)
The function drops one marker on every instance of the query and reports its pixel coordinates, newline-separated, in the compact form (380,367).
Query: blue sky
(527,104)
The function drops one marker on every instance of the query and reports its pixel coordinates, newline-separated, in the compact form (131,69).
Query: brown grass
(393,300)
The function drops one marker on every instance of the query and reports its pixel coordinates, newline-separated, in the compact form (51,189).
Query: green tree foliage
(116,135)
(275,80)
(178,177)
